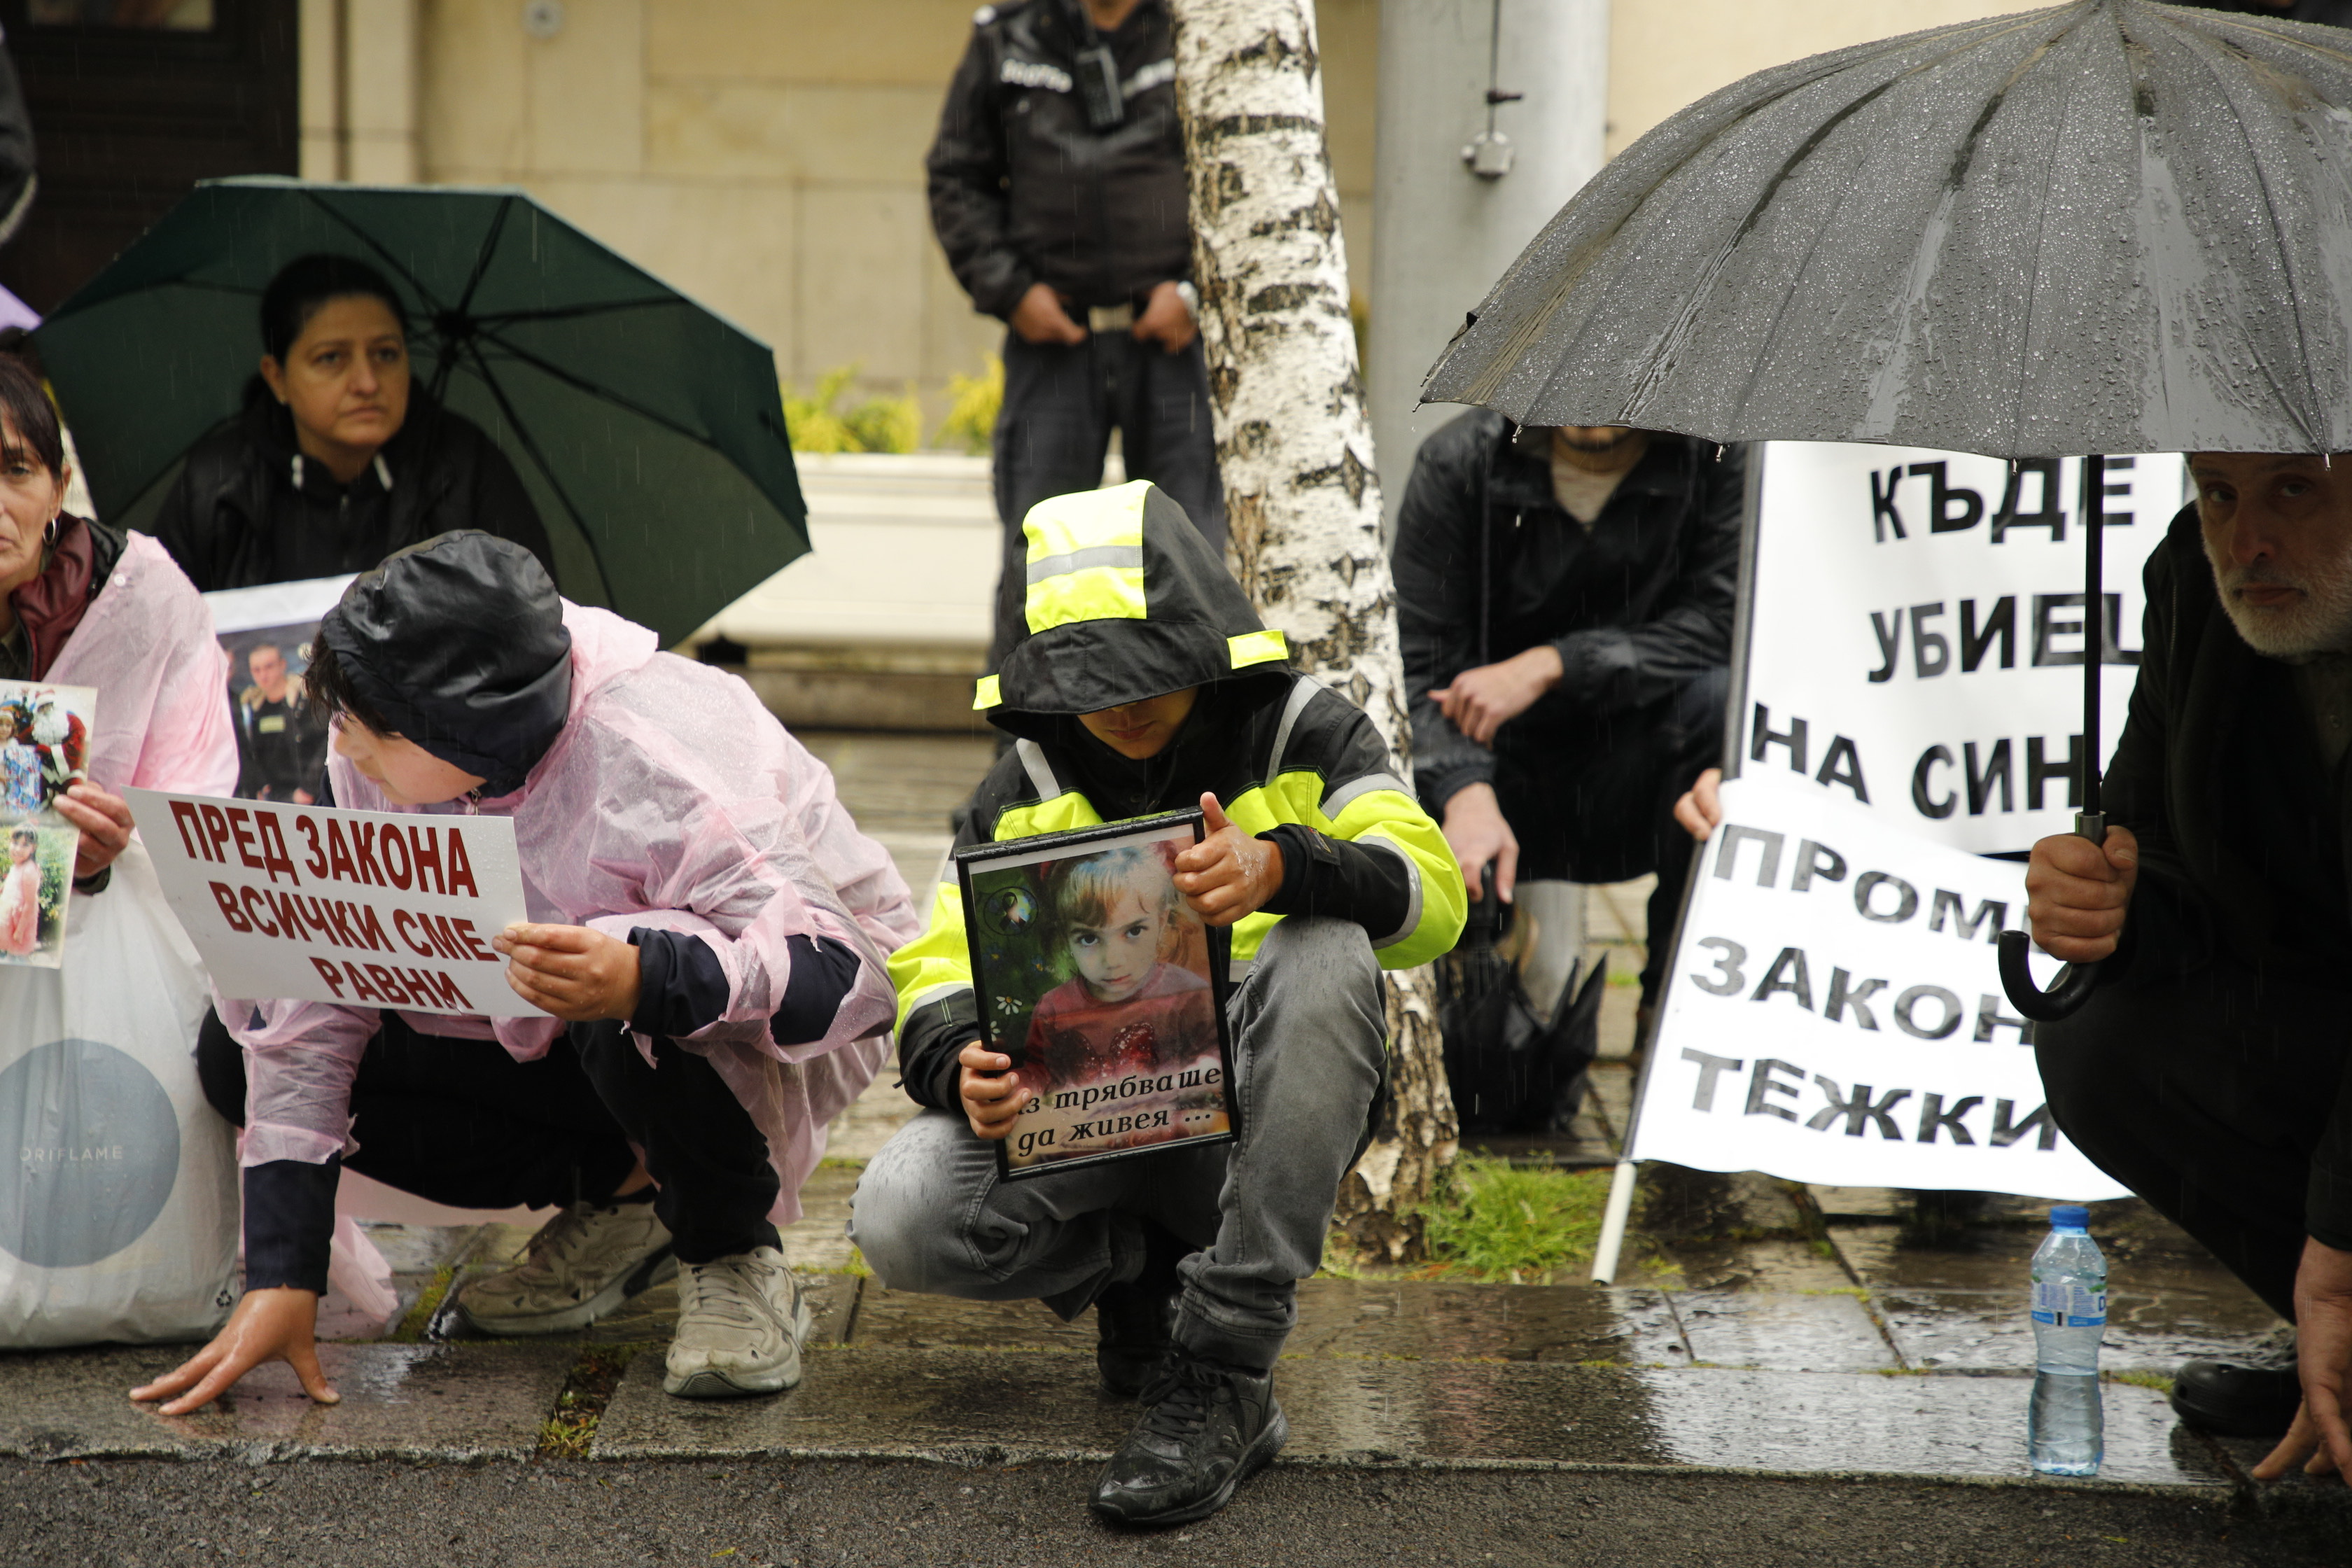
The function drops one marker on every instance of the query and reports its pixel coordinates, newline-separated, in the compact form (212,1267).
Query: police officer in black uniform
(1057,191)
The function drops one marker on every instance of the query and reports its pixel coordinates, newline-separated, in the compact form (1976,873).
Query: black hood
(1126,601)
(458,643)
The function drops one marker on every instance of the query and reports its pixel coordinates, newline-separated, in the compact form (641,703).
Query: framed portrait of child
(1104,989)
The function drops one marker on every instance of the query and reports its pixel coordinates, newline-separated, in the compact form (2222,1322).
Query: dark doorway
(132,101)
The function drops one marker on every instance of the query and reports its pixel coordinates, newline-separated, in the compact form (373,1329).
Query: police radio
(1098,75)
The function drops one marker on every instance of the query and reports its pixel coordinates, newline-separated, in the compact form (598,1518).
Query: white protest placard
(1836,1013)
(368,909)
(1916,631)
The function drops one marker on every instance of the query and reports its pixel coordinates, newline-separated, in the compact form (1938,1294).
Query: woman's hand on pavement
(2320,1440)
(991,1092)
(2076,893)
(1040,318)
(275,1324)
(1228,875)
(105,823)
(1482,701)
(577,973)
(1476,833)
(1700,810)
(1167,321)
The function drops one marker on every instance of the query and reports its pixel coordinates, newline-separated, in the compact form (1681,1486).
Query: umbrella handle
(2063,999)
(2074,983)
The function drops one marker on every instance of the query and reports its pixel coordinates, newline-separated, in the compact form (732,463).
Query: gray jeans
(1309,1049)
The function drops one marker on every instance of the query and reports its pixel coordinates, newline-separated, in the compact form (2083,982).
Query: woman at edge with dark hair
(339,458)
(84,605)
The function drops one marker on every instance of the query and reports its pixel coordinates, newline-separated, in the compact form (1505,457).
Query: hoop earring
(49,533)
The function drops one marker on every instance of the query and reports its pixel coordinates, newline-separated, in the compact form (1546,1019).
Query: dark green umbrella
(648,430)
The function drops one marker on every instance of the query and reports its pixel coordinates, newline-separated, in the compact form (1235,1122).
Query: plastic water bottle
(2065,1429)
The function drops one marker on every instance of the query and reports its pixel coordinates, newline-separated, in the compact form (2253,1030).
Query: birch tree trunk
(1295,444)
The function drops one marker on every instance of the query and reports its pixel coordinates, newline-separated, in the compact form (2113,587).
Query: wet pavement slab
(439,1401)
(1019,1405)
(1903,1424)
(1364,1320)
(1013,1406)
(1829,1331)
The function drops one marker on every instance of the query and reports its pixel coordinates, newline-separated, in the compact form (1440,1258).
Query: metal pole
(1612,1223)
(1440,235)
(2090,824)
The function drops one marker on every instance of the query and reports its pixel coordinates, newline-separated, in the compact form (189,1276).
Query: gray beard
(2320,622)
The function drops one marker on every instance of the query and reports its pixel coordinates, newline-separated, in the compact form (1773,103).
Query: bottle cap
(2070,1217)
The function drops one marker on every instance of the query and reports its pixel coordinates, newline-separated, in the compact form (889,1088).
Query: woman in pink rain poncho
(84,605)
(708,921)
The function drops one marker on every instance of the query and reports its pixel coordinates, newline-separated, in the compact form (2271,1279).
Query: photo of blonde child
(1111,920)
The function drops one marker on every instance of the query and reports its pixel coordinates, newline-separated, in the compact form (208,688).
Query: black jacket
(244,511)
(1023,189)
(1637,606)
(2242,832)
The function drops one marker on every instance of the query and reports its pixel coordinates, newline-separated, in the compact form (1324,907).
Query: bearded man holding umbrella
(2106,227)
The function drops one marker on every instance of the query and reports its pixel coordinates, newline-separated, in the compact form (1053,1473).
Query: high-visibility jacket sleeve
(1356,843)
(932,973)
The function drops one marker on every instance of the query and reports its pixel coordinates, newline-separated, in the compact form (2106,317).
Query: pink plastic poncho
(671,799)
(146,644)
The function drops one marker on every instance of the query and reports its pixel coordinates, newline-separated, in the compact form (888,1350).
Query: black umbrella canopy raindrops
(2106,227)
(648,429)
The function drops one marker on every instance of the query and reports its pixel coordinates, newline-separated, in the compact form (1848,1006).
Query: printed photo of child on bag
(45,734)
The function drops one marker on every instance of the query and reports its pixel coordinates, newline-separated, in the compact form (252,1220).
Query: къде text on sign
(1917,631)
(363,907)
(1837,1014)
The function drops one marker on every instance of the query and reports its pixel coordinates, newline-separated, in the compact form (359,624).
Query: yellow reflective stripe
(1083,519)
(939,957)
(1058,814)
(986,694)
(1258,647)
(1090,593)
(1086,531)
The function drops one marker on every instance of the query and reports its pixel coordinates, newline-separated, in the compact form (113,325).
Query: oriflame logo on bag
(33,1156)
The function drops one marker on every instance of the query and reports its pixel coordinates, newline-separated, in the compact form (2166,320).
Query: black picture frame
(1018,969)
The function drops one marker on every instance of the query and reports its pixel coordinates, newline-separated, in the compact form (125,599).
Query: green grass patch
(567,1433)
(429,1301)
(1495,1222)
(2155,1379)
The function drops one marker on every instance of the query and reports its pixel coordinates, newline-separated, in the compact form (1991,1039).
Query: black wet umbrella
(2107,226)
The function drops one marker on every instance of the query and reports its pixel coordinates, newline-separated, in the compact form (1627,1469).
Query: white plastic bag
(117,1181)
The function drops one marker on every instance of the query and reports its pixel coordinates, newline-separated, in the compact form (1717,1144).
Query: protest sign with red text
(364,908)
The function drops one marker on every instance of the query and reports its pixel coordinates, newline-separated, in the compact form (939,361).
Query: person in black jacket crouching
(1565,602)
(338,459)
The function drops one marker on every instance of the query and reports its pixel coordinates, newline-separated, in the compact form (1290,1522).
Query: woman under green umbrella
(338,459)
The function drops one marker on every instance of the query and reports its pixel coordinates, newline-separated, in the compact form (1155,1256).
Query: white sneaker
(741,1324)
(583,1263)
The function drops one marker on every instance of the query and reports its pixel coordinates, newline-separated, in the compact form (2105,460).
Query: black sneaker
(1136,1322)
(2256,1397)
(1206,1428)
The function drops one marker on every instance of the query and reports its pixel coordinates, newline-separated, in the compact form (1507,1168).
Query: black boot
(1135,1323)
(1206,1428)
(2253,1397)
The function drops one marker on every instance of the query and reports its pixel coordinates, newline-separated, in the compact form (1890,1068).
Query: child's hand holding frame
(572,972)
(1228,875)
